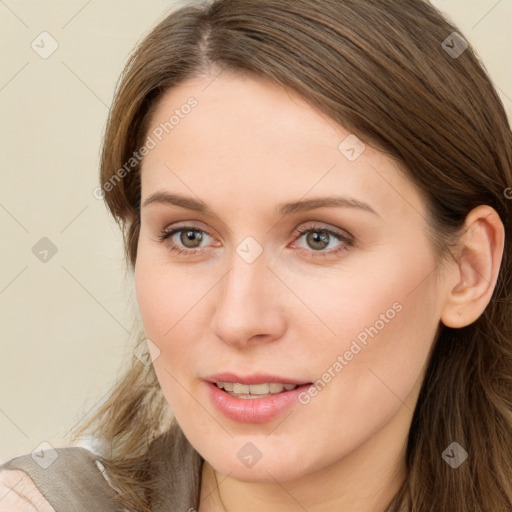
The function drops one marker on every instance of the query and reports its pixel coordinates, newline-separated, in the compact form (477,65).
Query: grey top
(75,480)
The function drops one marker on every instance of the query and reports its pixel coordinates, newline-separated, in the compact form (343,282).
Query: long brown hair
(386,71)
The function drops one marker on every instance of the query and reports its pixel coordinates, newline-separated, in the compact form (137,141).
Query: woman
(315,198)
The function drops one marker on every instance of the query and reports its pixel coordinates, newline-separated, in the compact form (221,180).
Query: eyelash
(164,235)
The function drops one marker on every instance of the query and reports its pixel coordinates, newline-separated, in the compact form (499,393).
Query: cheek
(384,320)
(166,294)
(167,306)
(153,298)
(172,299)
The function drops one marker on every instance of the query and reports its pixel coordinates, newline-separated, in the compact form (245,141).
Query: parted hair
(383,70)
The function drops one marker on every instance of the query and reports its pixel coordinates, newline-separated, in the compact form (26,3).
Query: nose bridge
(246,303)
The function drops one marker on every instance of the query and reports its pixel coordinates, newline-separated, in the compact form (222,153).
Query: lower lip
(254,410)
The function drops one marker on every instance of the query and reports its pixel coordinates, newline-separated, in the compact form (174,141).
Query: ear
(477,267)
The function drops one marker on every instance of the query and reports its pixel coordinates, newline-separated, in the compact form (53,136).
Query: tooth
(240,388)
(259,389)
(235,388)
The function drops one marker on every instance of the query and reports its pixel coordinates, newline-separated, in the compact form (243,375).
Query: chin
(262,459)
(268,471)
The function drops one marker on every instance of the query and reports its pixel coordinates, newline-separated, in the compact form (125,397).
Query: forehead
(251,140)
(259,112)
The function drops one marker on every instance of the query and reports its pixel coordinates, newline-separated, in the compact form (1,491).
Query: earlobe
(478,264)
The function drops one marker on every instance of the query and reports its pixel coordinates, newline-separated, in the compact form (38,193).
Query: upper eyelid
(198,225)
(342,234)
(184,227)
(320,226)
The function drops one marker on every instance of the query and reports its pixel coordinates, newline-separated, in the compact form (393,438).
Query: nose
(248,302)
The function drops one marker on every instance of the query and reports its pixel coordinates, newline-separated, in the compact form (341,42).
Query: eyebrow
(162,197)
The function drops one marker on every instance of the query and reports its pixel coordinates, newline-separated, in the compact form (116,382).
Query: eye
(190,237)
(319,238)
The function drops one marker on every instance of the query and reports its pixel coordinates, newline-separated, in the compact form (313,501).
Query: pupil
(189,236)
(321,238)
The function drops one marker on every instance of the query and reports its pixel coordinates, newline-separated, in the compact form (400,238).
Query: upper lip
(255,378)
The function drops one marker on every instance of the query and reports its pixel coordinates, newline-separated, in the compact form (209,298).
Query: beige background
(65,323)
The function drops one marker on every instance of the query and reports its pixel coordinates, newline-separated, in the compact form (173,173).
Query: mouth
(256,398)
(251,391)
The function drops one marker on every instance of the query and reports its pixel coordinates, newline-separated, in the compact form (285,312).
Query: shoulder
(19,493)
(54,479)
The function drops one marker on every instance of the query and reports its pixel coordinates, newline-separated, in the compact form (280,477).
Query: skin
(246,147)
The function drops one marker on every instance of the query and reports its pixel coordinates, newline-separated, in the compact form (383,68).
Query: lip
(253,410)
(255,378)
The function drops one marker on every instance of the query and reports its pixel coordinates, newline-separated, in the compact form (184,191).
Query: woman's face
(350,303)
